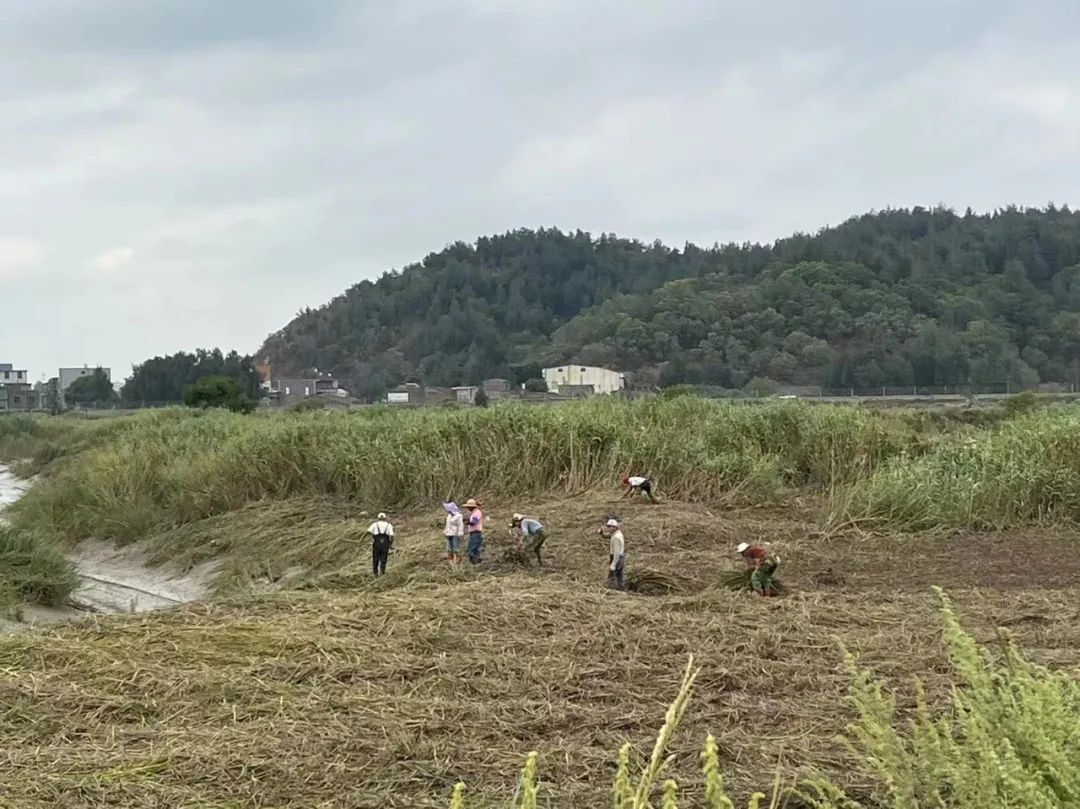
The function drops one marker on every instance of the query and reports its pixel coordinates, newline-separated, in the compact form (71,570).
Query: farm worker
(636,484)
(382,539)
(454,531)
(476,531)
(617,554)
(763,563)
(532,533)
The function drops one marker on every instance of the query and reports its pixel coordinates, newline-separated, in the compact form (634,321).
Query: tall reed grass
(1024,471)
(32,568)
(169,468)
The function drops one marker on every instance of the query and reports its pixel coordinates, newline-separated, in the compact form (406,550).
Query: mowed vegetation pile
(341,691)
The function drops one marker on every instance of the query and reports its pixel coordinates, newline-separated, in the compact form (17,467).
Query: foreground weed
(639,792)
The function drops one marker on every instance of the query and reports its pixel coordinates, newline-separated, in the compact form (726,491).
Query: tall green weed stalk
(1026,470)
(1009,740)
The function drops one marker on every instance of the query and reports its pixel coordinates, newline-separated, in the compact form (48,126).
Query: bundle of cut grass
(740,580)
(653,582)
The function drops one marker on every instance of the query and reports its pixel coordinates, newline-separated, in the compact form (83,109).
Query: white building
(576,378)
(10,375)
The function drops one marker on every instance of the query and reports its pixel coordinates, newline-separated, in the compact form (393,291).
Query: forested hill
(927,297)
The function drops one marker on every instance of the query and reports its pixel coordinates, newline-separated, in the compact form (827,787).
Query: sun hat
(471,503)
(612,523)
(382,515)
(742,547)
(451,507)
(517,517)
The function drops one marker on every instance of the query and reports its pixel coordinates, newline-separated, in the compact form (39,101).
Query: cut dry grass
(389,699)
(386,694)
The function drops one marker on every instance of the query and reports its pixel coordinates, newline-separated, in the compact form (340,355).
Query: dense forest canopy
(166,379)
(898,297)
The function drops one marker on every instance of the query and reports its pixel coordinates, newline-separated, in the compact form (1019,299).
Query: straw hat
(517,517)
(471,503)
(742,547)
(382,515)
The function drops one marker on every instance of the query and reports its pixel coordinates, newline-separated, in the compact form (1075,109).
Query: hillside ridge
(897,297)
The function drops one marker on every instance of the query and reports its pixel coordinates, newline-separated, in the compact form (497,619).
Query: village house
(583,380)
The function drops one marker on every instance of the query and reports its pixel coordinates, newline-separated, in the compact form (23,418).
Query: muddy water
(113,579)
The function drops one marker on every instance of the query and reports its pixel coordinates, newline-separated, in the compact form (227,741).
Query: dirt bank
(112,579)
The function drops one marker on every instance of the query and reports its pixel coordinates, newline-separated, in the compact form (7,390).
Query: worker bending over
(763,562)
(637,484)
(382,540)
(532,535)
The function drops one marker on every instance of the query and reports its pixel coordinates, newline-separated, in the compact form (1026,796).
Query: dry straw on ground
(387,694)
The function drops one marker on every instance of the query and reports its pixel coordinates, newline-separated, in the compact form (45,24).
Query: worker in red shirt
(764,563)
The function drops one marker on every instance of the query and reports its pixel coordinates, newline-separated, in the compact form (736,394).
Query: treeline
(900,297)
(167,379)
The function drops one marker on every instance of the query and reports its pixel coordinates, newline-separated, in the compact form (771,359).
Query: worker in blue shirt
(532,535)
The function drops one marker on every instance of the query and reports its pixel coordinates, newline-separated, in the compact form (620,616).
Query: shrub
(218,391)
(1021,403)
(33,569)
(1011,737)
(762,386)
(307,405)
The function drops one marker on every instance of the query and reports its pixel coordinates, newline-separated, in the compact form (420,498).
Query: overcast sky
(184,173)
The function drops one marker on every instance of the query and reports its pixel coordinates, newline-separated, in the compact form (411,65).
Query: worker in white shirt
(382,539)
(616,555)
(639,484)
(454,531)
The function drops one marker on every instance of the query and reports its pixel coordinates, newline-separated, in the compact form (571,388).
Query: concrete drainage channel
(111,579)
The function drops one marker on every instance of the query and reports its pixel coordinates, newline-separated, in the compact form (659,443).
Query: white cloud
(111,261)
(19,257)
(272,159)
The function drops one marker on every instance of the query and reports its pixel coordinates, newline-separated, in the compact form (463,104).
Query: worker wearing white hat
(616,555)
(382,540)
(763,563)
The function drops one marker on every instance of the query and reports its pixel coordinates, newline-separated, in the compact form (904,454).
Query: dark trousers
(476,547)
(617,577)
(646,489)
(380,554)
(535,542)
